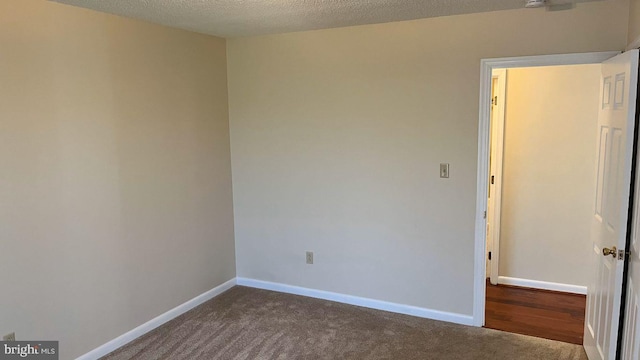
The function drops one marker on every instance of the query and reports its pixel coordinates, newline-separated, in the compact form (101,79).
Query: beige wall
(548,173)
(115,187)
(336,137)
(634,21)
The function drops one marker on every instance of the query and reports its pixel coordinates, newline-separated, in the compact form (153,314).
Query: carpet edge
(159,320)
(426,313)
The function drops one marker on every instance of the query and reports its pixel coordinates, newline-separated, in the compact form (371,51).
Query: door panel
(616,119)
(603,142)
(631,337)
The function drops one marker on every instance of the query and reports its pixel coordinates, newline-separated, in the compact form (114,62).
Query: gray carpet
(246,323)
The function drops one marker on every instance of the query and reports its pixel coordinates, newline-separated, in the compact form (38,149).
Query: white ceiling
(237,18)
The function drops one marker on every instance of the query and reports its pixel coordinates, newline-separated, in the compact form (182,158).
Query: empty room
(282,179)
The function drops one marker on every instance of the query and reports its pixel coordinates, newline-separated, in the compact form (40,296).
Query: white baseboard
(296,290)
(544,285)
(155,322)
(359,301)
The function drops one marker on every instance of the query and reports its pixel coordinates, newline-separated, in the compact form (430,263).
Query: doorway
(487,67)
(610,225)
(541,184)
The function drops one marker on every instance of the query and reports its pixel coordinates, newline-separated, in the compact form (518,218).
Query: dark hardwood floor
(547,314)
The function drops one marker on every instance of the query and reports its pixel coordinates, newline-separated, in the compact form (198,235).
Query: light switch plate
(444,170)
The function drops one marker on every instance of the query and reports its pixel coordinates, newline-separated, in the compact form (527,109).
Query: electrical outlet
(9,337)
(309,257)
(444,170)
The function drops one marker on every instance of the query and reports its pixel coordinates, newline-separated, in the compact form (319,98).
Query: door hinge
(489,255)
(485,214)
(494,100)
(492,179)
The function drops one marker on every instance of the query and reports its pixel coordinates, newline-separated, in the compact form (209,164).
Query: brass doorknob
(613,251)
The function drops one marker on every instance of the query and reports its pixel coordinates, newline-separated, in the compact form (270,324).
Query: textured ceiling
(237,18)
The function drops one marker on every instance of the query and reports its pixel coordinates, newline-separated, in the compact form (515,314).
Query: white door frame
(486,68)
(497,147)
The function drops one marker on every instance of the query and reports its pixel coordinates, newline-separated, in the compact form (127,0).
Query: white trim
(497,147)
(544,285)
(358,301)
(635,44)
(549,60)
(127,337)
(486,68)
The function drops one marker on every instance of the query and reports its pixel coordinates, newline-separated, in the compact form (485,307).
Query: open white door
(494,200)
(616,122)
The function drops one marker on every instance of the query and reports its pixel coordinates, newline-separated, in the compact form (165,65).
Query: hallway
(546,314)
